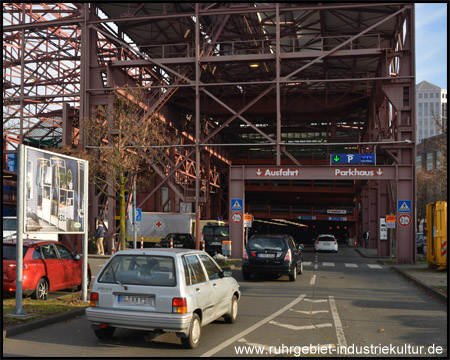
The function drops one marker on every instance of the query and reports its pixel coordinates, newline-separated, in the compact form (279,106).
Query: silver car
(162,290)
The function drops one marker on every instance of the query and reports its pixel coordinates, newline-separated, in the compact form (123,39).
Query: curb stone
(32,325)
(441,297)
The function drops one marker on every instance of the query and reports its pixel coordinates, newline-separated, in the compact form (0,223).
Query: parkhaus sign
(309,172)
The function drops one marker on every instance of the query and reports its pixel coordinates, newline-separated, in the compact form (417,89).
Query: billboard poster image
(54,193)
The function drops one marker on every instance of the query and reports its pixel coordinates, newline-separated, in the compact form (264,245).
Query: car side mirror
(301,246)
(226,272)
(77,257)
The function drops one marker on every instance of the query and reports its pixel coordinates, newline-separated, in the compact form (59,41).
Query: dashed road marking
(313,280)
(316,301)
(374,266)
(328,264)
(304,327)
(351,265)
(312,312)
(307,263)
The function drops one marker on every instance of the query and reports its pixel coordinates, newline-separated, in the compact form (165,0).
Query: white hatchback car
(162,290)
(326,242)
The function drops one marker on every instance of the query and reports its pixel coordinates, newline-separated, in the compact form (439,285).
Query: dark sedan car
(180,240)
(272,255)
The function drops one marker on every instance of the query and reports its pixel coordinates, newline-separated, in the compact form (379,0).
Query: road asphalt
(416,273)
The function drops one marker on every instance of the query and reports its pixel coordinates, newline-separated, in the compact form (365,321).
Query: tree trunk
(122,217)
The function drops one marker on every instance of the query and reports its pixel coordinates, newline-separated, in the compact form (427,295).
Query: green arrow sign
(336,158)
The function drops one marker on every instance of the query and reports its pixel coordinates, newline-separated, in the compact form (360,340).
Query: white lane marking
(316,301)
(328,264)
(253,327)
(351,265)
(304,327)
(313,280)
(310,312)
(307,263)
(337,323)
(316,266)
(374,266)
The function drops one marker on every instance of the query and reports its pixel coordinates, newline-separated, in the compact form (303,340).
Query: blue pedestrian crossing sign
(404,206)
(236,204)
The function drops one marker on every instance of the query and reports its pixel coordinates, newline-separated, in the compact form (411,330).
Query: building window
(431,108)
(420,96)
(420,109)
(437,95)
(438,159)
(429,161)
(426,109)
(418,162)
(437,109)
(431,95)
(425,95)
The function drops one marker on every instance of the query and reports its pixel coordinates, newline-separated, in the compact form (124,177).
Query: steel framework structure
(237,84)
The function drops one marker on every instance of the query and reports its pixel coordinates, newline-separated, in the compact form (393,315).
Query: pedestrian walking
(100,236)
(366,239)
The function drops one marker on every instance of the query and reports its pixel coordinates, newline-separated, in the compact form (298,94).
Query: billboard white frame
(55,189)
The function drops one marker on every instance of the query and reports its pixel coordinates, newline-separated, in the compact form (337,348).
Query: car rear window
(264,243)
(216,231)
(326,238)
(149,270)
(9,252)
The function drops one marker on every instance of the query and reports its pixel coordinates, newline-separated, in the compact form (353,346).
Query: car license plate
(215,243)
(136,300)
(266,256)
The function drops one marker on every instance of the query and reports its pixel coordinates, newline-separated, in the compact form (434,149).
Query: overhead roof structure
(239,83)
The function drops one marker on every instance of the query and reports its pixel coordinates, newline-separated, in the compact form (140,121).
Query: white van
(10,229)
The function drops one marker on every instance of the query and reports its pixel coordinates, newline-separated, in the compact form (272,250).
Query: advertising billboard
(54,194)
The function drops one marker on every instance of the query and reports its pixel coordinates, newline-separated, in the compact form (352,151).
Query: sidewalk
(432,281)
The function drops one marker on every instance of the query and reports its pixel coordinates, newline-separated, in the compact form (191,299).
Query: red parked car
(47,266)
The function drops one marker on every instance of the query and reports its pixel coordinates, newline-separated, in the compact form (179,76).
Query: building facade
(431,110)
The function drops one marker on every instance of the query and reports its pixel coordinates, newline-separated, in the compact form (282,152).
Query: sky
(431,43)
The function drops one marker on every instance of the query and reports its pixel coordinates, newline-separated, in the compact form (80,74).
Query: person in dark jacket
(100,236)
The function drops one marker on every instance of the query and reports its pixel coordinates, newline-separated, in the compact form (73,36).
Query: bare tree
(120,144)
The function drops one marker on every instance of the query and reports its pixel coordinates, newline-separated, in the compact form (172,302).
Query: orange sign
(390,218)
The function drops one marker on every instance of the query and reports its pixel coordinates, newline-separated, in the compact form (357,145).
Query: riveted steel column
(278,65)
(197,127)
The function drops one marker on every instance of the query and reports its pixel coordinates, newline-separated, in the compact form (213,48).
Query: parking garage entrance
(404,247)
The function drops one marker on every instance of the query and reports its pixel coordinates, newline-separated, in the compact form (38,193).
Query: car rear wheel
(232,316)
(193,338)
(105,334)
(41,291)
(293,276)
(300,270)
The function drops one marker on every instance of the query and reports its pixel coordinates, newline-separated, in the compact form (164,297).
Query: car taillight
(317,242)
(335,241)
(244,255)
(288,255)
(94,299)
(179,305)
